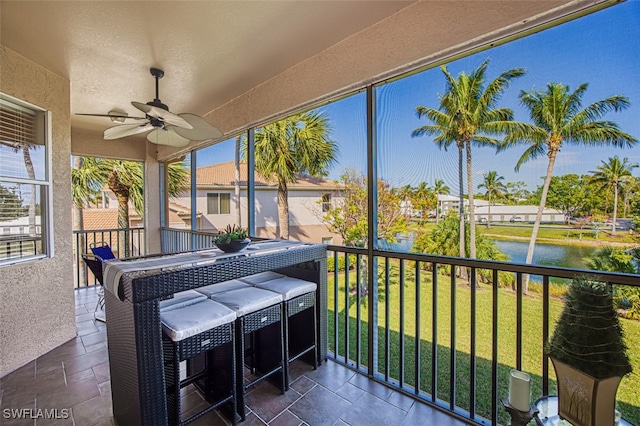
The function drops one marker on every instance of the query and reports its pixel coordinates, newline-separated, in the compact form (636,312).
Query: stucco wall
(37,308)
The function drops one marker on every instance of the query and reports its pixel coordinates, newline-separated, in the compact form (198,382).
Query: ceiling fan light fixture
(117,116)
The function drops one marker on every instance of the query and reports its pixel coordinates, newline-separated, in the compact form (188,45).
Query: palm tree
(125,180)
(439,187)
(610,175)
(558,118)
(494,188)
(467,115)
(284,149)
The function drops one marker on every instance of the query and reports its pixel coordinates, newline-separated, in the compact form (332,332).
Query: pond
(544,254)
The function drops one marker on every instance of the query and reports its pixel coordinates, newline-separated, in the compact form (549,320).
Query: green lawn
(558,234)
(628,394)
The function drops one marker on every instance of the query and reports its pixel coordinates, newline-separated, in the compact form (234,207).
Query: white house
(216,203)
(500,213)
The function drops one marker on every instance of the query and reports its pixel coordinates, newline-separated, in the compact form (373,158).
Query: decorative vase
(233,246)
(584,400)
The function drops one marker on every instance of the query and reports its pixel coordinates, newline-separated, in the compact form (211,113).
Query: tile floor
(71,384)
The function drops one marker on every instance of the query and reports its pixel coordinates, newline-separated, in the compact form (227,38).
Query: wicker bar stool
(194,325)
(299,303)
(259,316)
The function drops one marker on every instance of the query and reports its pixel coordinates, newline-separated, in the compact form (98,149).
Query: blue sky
(600,49)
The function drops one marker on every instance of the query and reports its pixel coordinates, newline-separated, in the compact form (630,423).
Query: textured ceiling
(211,51)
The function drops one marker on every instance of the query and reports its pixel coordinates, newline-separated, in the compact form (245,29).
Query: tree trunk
(236,188)
(472,216)
(615,208)
(463,252)
(28,164)
(121,192)
(283,210)
(536,224)
(461,201)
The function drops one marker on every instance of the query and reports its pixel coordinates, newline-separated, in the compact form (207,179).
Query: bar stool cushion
(181,299)
(288,287)
(261,277)
(212,289)
(190,320)
(247,300)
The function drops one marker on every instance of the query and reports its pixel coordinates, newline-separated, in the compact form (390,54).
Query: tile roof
(223,174)
(99,218)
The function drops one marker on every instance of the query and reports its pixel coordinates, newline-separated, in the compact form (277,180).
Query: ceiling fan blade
(168,137)
(166,116)
(123,130)
(202,129)
(112,115)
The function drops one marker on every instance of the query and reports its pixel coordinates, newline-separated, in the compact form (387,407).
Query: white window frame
(219,194)
(46,183)
(325,206)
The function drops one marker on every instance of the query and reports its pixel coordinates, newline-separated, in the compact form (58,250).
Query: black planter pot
(233,246)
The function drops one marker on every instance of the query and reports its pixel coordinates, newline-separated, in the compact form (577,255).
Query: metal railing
(447,340)
(178,240)
(124,242)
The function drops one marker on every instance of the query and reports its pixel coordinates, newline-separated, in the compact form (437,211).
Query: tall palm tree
(494,189)
(439,187)
(297,144)
(558,119)
(468,116)
(125,179)
(611,175)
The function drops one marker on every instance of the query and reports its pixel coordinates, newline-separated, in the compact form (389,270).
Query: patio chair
(101,251)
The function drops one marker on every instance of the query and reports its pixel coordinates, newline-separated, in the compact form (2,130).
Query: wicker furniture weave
(134,333)
(298,313)
(220,338)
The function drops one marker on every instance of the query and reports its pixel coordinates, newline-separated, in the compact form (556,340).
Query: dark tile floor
(70,386)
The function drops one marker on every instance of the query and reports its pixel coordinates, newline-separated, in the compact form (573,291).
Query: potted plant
(588,354)
(232,239)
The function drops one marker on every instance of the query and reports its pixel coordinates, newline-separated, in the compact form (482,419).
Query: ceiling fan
(164,127)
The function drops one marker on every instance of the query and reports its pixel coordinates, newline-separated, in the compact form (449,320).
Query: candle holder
(519,418)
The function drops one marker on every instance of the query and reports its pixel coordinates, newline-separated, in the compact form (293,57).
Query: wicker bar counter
(134,332)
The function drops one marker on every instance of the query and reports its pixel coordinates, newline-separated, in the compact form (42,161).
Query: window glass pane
(595,59)
(225,203)
(22,139)
(23,185)
(21,220)
(212,204)
(344,129)
(216,174)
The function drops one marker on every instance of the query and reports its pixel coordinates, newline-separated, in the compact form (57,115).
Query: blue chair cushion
(103,252)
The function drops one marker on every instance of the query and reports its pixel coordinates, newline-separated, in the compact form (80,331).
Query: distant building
(309,198)
(500,213)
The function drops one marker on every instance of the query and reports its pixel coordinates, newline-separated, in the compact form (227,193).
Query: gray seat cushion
(247,300)
(184,298)
(212,289)
(261,277)
(193,319)
(289,287)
